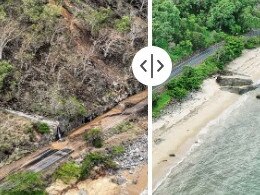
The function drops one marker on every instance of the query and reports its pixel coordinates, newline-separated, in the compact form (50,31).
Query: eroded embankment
(75,141)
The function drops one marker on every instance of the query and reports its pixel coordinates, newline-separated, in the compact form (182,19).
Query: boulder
(119,180)
(240,89)
(158,141)
(172,155)
(233,81)
(258,96)
(134,181)
(82,192)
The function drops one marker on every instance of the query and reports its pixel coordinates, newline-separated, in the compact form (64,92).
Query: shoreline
(177,131)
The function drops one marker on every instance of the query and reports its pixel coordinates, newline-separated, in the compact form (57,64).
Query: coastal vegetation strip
(187,27)
(192,77)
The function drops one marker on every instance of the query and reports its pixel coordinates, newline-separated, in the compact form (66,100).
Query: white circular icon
(152,66)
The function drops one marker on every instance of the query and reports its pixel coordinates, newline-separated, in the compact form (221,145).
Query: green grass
(163,100)
(118,150)
(122,127)
(42,128)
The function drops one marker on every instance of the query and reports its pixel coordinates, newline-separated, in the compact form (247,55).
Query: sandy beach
(177,130)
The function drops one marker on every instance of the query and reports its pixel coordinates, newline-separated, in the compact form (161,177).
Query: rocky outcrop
(135,154)
(240,90)
(236,83)
(233,80)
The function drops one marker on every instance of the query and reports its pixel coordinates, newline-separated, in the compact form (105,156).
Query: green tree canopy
(166,21)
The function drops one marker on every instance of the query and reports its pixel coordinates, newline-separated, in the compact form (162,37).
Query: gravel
(135,154)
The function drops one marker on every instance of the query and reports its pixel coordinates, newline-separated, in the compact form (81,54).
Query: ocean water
(227,158)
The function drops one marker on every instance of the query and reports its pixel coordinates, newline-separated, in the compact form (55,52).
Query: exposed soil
(75,140)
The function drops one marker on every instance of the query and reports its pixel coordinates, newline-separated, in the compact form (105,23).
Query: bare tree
(9,30)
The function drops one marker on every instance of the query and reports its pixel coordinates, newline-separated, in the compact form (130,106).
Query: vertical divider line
(152,66)
(150,131)
(150,141)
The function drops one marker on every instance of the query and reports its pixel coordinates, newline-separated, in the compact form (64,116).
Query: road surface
(199,58)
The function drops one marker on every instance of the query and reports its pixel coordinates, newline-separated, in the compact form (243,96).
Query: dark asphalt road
(199,58)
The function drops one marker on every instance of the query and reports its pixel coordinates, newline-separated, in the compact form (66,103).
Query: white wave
(203,131)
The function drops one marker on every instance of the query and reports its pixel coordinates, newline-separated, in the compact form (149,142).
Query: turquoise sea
(227,158)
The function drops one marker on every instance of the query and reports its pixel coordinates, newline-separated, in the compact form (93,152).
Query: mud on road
(73,145)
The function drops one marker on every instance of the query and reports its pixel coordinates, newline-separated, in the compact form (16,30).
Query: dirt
(75,140)
(117,116)
(135,179)
(135,183)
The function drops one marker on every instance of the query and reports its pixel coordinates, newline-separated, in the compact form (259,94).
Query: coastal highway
(192,61)
(72,145)
(199,58)
(48,158)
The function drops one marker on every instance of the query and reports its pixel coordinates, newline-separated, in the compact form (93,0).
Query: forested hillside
(62,58)
(183,27)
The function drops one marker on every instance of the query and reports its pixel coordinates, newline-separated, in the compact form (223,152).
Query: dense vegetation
(185,27)
(70,170)
(192,78)
(96,159)
(24,183)
(182,27)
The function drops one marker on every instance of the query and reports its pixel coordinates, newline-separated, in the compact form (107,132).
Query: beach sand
(176,131)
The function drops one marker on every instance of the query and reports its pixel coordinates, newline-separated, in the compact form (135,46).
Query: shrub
(38,10)
(5,69)
(123,24)
(95,159)
(68,171)
(252,42)
(24,183)
(86,168)
(118,150)
(94,137)
(209,67)
(122,127)
(2,13)
(178,93)
(68,107)
(155,98)
(190,79)
(233,48)
(162,101)
(100,17)
(41,127)
(73,107)
(181,50)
